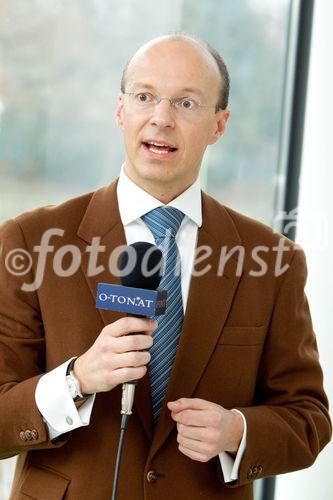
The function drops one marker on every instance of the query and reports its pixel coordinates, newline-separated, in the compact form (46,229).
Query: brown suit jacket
(247,343)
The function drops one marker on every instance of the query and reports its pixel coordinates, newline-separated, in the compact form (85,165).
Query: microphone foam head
(140,266)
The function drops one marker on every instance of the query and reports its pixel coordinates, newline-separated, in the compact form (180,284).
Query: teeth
(158,151)
(158,144)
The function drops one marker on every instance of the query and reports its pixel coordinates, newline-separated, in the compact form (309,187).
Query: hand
(116,357)
(205,429)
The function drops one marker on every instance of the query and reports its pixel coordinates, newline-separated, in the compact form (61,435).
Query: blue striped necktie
(164,223)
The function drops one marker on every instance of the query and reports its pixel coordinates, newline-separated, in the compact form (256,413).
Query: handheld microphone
(140,268)
(146,275)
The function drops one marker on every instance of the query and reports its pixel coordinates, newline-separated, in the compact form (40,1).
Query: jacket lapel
(208,305)
(102,225)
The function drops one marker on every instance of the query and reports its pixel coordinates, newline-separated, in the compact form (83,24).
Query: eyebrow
(191,90)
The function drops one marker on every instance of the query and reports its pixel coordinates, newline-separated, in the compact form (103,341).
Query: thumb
(174,405)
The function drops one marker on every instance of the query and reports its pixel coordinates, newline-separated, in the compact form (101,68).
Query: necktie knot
(163,221)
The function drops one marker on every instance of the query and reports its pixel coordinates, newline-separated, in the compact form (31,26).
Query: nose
(163,114)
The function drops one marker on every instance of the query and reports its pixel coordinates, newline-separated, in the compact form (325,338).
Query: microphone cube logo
(131,300)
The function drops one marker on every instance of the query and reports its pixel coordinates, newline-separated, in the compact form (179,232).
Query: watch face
(71,386)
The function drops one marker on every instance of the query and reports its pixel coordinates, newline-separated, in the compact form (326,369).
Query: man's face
(169,69)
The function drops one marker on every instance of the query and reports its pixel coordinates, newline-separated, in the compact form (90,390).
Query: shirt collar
(134,202)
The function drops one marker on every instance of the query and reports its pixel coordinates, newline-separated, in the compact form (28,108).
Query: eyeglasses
(184,106)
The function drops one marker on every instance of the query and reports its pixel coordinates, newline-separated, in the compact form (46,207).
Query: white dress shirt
(52,395)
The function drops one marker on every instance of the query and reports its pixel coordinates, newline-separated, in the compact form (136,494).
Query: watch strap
(70,366)
(69,371)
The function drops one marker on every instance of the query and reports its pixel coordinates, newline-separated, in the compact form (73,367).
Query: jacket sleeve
(289,423)
(22,351)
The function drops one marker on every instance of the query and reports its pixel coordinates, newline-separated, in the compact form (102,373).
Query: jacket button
(255,471)
(250,473)
(152,476)
(28,435)
(34,434)
(259,469)
(22,436)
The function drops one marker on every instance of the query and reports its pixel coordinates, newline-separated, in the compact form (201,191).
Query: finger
(127,325)
(122,375)
(189,403)
(197,433)
(131,359)
(129,343)
(194,445)
(193,417)
(192,454)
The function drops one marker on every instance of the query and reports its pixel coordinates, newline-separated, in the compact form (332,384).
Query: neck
(164,193)
(164,196)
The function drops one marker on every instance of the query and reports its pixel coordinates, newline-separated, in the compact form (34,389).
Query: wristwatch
(73,383)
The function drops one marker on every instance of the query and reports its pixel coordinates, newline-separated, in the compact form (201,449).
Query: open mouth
(159,148)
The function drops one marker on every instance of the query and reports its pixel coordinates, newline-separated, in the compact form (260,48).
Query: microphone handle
(128,388)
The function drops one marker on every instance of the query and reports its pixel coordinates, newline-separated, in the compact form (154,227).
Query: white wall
(315,234)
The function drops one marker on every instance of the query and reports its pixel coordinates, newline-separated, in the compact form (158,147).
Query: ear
(221,118)
(119,111)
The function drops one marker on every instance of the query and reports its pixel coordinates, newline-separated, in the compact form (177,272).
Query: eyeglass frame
(174,101)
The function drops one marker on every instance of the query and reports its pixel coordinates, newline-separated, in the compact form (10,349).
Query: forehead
(173,66)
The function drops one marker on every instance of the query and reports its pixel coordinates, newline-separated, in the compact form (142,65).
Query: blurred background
(61,64)
(60,70)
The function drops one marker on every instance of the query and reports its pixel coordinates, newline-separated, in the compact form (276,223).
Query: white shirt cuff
(55,403)
(230,465)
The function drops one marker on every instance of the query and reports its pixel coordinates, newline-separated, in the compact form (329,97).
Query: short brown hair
(225,78)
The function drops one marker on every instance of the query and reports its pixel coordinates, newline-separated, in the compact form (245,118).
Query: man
(240,394)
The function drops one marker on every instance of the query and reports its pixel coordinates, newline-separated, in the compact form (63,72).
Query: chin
(156,169)
(152,171)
